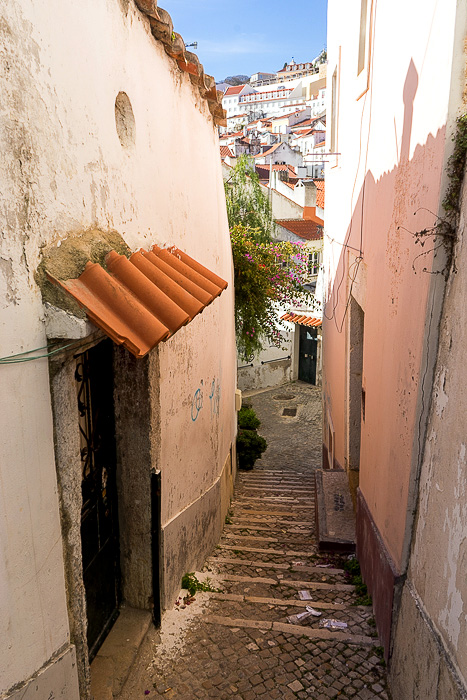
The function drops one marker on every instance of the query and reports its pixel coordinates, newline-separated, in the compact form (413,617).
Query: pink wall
(392,142)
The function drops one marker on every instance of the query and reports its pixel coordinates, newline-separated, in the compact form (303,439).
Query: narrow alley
(236,641)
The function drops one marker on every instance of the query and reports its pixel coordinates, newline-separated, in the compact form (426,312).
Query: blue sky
(247,37)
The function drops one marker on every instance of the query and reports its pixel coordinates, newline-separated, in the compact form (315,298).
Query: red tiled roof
(303,132)
(225,152)
(143,300)
(275,166)
(270,150)
(234,89)
(321,143)
(307,229)
(320,193)
(302,320)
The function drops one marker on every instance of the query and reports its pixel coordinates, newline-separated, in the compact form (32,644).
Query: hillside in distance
(236,79)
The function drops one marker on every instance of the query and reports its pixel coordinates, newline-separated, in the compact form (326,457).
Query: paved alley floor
(237,642)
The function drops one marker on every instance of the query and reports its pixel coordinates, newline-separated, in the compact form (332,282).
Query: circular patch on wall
(125,120)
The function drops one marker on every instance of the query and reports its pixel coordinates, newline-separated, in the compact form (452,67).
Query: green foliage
(379,651)
(250,447)
(192,584)
(268,276)
(456,167)
(247,204)
(352,567)
(248,419)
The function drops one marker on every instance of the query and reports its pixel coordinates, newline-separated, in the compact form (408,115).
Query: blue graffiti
(197,403)
(215,397)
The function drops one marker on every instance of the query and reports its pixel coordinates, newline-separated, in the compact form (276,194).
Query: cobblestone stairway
(242,646)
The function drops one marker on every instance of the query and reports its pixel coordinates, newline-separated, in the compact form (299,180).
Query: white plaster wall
(277,369)
(64,170)
(439,555)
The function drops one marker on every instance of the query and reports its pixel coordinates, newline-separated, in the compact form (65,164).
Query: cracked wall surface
(64,172)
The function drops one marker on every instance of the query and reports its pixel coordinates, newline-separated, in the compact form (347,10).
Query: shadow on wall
(380,237)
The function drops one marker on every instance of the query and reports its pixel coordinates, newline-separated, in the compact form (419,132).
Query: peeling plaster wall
(436,592)
(64,170)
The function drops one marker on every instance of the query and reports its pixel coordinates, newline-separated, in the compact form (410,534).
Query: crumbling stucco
(67,260)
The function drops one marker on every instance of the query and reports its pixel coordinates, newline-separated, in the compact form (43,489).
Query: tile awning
(302,320)
(144,299)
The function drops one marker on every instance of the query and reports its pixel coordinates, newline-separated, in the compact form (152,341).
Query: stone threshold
(112,663)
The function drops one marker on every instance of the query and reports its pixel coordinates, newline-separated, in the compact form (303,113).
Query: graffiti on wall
(214,397)
(197,401)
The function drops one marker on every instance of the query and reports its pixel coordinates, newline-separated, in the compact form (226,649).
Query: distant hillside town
(278,121)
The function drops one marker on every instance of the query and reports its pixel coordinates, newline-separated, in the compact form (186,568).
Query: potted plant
(250,445)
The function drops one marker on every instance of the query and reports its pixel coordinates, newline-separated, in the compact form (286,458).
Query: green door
(308,351)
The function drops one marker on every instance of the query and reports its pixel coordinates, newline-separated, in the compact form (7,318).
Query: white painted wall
(63,170)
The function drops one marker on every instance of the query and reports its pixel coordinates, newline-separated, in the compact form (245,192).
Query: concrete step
(112,664)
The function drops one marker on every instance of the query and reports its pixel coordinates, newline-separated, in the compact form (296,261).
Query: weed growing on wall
(456,167)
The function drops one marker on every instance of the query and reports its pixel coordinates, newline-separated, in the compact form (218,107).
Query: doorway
(99,513)
(307,354)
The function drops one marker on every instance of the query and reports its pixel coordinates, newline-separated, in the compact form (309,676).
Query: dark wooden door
(308,350)
(99,514)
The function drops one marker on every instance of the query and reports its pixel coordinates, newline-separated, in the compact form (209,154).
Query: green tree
(247,204)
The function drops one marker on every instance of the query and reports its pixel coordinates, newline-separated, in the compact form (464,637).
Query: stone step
(284,542)
(266,521)
(252,607)
(260,528)
(299,630)
(282,602)
(271,514)
(278,552)
(279,566)
(312,585)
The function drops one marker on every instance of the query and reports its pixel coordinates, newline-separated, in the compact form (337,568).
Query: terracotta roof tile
(140,301)
(307,229)
(234,90)
(225,151)
(302,320)
(320,194)
(270,150)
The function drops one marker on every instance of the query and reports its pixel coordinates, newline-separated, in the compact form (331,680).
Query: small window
(313,263)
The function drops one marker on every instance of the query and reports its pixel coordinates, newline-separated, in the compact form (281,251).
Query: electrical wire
(19,357)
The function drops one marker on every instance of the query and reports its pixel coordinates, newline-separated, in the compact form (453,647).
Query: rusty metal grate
(289,411)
